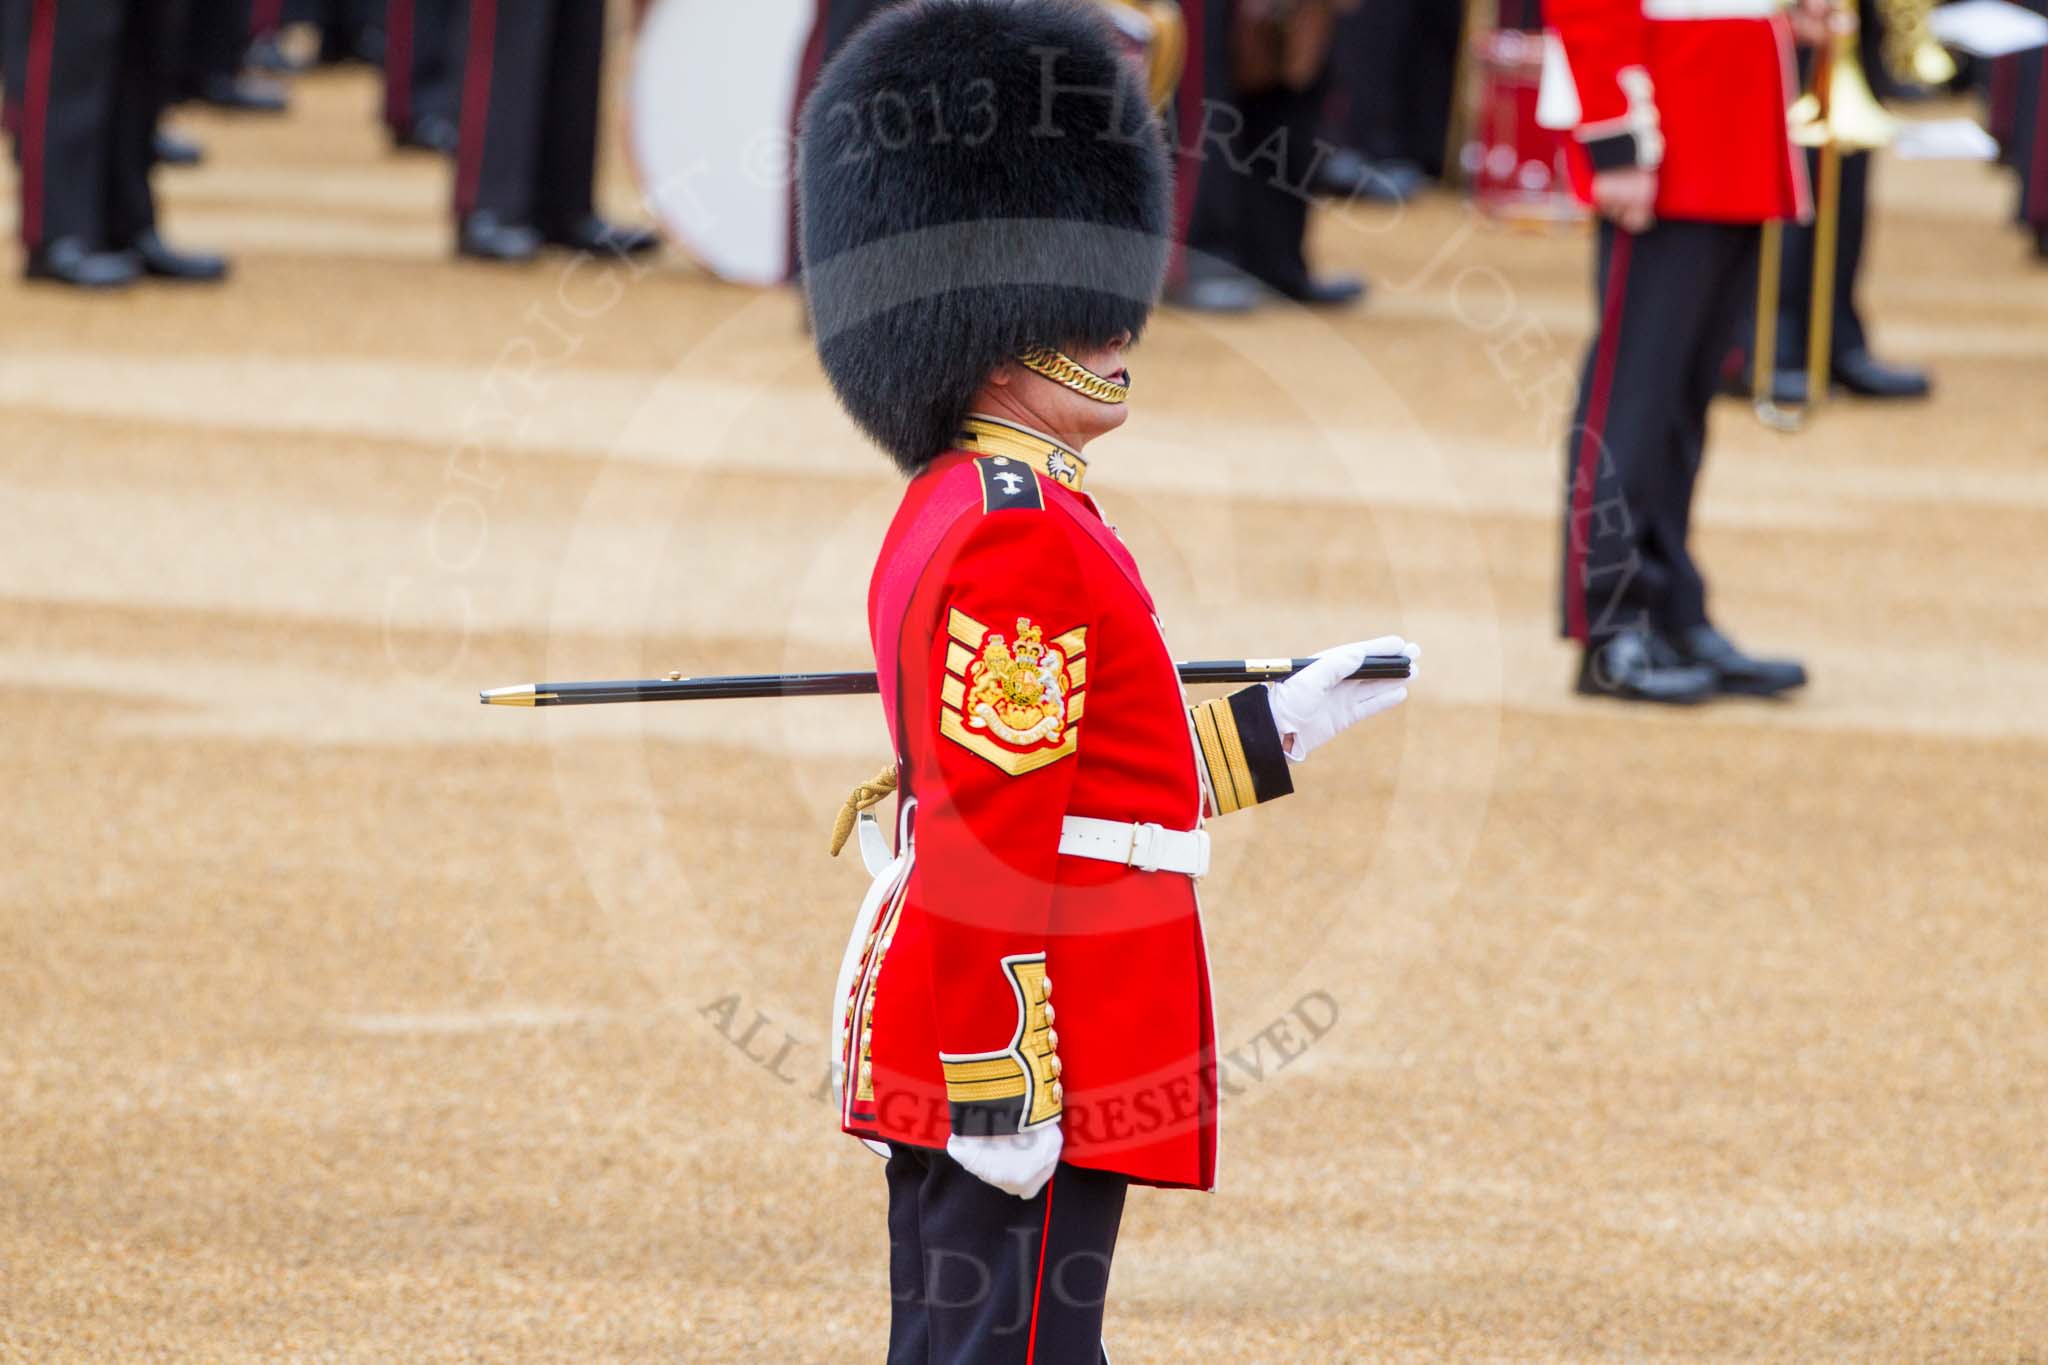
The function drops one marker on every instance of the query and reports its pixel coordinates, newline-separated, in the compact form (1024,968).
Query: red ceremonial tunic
(1699,89)
(1027,680)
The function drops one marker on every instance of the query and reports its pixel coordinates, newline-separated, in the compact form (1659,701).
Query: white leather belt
(1149,848)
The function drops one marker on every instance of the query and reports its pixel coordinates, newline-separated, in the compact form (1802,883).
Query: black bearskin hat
(975,178)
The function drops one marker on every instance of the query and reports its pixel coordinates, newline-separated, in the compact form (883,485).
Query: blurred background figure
(89,80)
(423,73)
(1683,147)
(1852,365)
(1516,170)
(833,24)
(1389,112)
(2019,120)
(837,19)
(266,25)
(216,45)
(527,161)
(351,31)
(1266,70)
(174,149)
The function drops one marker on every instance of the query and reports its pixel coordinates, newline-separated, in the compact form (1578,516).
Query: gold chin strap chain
(1067,372)
(869,793)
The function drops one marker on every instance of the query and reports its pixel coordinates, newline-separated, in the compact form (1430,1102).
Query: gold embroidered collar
(993,436)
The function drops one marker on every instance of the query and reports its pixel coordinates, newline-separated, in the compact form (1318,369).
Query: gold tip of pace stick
(522,695)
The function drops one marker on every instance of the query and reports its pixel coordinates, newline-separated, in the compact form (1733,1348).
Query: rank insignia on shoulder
(1007,484)
(1015,700)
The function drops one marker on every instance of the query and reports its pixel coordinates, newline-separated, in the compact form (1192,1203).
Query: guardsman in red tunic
(1024,1013)
(1678,110)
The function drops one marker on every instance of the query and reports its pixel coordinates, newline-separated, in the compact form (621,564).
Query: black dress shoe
(1788,388)
(430,133)
(267,55)
(1866,376)
(1216,294)
(172,150)
(1737,673)
(594,234)
(350,45)
(1345,174)
(161,261)
(484,237)
(1631,667)
(245,94)
(68,260)
(1331,291)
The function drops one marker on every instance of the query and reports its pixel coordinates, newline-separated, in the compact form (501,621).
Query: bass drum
(1156,36)
(711,104)
(1515,162)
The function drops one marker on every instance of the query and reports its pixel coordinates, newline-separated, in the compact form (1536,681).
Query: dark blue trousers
(980,1277)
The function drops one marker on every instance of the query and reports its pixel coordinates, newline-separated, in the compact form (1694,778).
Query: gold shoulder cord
(1069,373)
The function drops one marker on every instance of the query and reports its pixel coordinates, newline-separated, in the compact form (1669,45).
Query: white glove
(1320,702)
(1015,1163)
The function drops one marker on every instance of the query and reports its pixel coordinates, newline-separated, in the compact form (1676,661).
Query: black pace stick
(1379,667)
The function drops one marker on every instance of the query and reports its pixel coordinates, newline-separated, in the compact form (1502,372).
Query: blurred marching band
(1354,99)
(1725,146)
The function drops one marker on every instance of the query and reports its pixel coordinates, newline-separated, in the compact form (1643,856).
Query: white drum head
(714,89)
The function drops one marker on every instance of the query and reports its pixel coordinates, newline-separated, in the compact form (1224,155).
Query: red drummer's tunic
(1698,89)
(1027,680)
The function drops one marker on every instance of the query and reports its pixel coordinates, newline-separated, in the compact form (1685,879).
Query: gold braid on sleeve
(868,793)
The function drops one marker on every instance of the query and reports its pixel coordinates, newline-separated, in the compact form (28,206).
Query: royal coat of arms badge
(1012,699)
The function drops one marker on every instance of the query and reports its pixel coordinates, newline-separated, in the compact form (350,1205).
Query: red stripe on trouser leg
(35,119)
(1038,1288)
(398,41)
(1593,442)
(806,81)
(476,102)
(2037,182)
(1191,109)
(2004,98)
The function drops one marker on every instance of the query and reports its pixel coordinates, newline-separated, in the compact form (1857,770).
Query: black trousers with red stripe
(345,25)
(2029,144)
(1795,296)
(265,18)
(843,19)
(12,33)
(980,1277)
(216,39)
(1395,68)
(1671,302)
(91,78)
(422,62)
(530,95)
(1250,213)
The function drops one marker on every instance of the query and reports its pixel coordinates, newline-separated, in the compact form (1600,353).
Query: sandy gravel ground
(341,1018)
